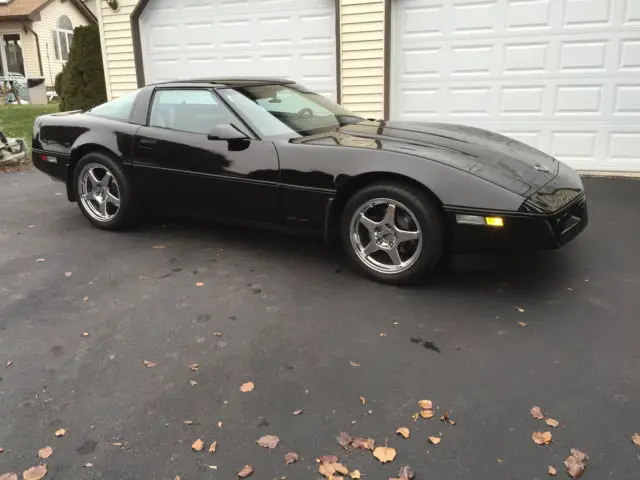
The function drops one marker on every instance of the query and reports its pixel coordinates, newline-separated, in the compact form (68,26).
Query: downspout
(37,48)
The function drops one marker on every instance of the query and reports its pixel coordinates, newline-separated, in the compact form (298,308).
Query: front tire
(392,233)
(103,192)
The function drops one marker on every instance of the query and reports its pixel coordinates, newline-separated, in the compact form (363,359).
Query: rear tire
(103,192)
(392,233)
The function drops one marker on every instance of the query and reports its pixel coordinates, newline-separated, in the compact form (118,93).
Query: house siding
(48,22)
(29,48)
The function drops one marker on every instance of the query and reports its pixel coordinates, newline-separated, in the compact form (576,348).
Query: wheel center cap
(385,237)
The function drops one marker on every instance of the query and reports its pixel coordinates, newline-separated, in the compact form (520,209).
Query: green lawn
(17,120)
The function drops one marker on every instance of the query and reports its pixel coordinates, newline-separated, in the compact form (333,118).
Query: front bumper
(521,231)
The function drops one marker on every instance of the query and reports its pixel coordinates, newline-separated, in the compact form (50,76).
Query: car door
(179,166)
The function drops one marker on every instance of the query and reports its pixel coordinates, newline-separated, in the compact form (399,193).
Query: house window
(62,37)
(11,58)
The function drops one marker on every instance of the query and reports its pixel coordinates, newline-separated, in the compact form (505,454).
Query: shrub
(57,84)
(82,82)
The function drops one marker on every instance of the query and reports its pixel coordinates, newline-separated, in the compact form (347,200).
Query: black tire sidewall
(125,213)
(425,211)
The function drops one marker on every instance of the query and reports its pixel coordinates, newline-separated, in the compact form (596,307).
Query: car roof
(228,81)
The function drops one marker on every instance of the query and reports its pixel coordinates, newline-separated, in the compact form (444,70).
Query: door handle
(147,143)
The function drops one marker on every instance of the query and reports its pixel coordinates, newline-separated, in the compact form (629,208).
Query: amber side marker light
(494,221)
(478,220)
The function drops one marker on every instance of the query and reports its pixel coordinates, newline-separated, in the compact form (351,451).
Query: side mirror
(226,132)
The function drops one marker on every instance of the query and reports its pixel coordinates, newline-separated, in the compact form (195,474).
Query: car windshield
(287,111)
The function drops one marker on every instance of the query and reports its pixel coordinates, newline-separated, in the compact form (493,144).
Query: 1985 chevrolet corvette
(268,152)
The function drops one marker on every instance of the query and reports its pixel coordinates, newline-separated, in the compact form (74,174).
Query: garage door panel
(561,75)
(251,37)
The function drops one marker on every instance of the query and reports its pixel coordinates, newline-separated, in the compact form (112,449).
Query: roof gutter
(37,47)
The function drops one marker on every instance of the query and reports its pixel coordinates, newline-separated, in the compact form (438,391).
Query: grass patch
(17,120)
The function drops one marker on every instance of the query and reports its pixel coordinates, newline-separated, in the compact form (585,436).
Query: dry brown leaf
(35,473)
(354,364)
(158,247)
(344,439)
(635,438)
(536,412)
(355,475)
(415,416)
(194,367)
(9,476)
(425,404)
(447,419)
(177,477)
(217,334)
(552,422)
(363,400)
(406,473)
(61,432)
(297,412)
(404,431)
(68,274)
(193,383)
(541,438)
(435,440)
(327,459)
(341,469)
(327,470)
(520,309)
(199,284)
(575,463)
(427,414)
(522,324)
(363,443)
(45,452)
(212,448)
(219,424)
(247,387)
(149,364)
(85,334)
(291,457)
(246,471)
(197,445)
(268,441)
(384,454)
(552,471)
(188,422)
(116,444)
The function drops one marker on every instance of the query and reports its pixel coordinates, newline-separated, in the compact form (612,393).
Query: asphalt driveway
(485,342)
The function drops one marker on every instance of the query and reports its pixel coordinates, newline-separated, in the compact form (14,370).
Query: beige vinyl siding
(117,48)
(29,48)
(362,56)
(45,26)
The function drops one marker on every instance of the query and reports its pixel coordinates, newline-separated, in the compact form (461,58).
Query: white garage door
(213,38)
(560,75)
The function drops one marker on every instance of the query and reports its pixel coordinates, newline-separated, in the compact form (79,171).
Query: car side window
(188,110)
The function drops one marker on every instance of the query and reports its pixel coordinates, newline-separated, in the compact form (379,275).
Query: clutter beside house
(13,151)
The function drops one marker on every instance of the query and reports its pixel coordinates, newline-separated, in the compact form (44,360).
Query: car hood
(491,156)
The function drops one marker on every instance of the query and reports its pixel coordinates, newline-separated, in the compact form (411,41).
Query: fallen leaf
(194,367)
(85,334)
(177,477)
(425,404)
(327,459)
(575,463)
(447,419)
(217,334)
(344,439)
(363,443)
(382,334)
(246,471)
(116,444)
(355,475)
(552,422)
(522,324)
(363,400)
(149,364)
(327,469)
(88,465)
(406,473)
(193,383)
(341,469)
(219,424)
(499,460)
(635,438)
(404,431)
(291,457)
(40,260)
(9,476)
(45,452)
(384,454)
(158,247)
(35,473)
(541,438)
(68,274)
(435,440)
(142,277)
(552,471)
(297,412)
(520,309)
(268,441)
(427,413)
(61,432)
(247,387)
(354,364)
(197,445)
(85,299)
(212,448)
(188,422)
(415,416)
(212,467)
(199,284)
(8,364)
(536,412)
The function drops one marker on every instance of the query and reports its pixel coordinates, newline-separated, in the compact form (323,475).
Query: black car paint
(292,183)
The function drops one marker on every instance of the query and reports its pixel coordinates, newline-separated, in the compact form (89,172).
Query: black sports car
(269,152)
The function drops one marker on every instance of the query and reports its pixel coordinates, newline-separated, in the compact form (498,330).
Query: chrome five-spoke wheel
(385,235)
(99,192)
